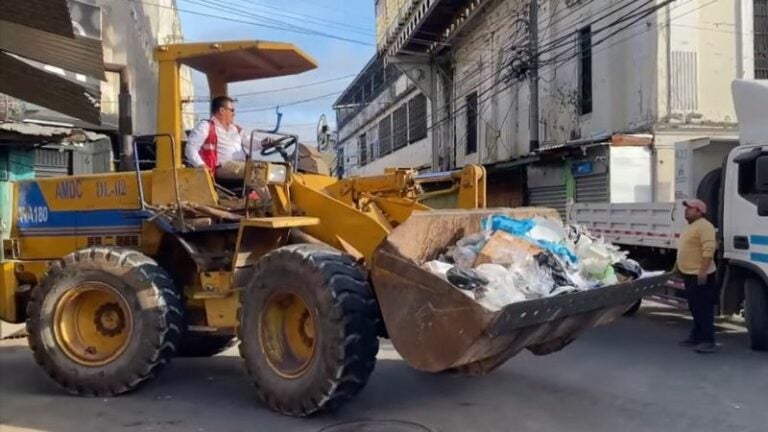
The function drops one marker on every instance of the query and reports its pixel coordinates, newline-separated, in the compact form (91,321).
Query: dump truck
(731,176)
(116,274)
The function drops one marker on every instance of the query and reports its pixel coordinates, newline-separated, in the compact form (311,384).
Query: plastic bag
(501,289)
(463,257)
(467,279)
(556,268)
(549,230)
(476,242)
(518,227)
(439,268)
(629,269)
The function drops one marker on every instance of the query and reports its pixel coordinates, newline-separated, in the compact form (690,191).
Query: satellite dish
(323,134)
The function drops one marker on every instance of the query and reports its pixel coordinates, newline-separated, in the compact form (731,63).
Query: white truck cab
(744,211)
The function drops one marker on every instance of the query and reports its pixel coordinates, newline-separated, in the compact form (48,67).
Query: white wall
(131,30)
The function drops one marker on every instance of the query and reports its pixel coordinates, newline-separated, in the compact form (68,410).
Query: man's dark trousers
(701,303)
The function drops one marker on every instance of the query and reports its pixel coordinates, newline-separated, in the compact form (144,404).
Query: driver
(217,143)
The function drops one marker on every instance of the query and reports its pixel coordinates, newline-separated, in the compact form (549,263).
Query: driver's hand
(267,143)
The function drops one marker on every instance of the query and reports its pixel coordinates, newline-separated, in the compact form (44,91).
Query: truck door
(745,212)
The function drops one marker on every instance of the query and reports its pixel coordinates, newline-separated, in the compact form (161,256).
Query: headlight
(277,174)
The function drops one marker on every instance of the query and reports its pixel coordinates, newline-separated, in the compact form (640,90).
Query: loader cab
(221,63)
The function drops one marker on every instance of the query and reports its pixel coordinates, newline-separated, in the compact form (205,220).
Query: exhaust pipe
(125,116)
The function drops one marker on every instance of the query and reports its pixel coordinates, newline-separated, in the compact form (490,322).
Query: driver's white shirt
(229,147)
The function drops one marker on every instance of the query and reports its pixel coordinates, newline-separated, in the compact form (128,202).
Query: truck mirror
(761,174)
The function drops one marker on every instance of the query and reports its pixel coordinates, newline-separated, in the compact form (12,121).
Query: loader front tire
(103,321)
(308,328)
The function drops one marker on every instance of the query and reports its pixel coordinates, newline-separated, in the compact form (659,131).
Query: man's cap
(696,204)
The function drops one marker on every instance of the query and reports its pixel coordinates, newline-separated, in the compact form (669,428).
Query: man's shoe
(706,348)
(688,343)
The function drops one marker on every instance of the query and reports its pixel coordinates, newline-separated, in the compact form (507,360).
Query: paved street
(630,376)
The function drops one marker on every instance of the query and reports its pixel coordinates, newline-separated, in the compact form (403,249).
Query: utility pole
(533,50)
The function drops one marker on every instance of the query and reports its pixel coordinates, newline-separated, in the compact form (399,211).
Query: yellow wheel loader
(115,274)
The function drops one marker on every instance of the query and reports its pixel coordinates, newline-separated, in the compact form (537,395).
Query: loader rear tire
(756,310)
(103,321)
(308,329)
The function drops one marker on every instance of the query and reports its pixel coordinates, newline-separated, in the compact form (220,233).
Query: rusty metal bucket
(435,327)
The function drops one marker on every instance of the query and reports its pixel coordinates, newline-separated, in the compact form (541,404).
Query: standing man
(695,261)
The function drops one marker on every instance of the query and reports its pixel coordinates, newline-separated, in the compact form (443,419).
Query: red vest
(209,152)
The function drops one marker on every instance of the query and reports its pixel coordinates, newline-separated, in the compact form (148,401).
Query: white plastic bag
(439,268)
(547,229)
(501,289)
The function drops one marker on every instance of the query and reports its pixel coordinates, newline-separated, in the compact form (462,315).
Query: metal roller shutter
(52,162)
(549,196)
(592,189)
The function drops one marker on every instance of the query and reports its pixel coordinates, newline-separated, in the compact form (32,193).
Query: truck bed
(648,224)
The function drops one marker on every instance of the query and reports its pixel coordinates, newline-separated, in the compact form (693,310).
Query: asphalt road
(629,376)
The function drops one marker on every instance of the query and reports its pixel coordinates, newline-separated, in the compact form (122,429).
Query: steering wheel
(279,146)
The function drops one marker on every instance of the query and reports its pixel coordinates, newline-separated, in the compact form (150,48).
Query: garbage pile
(513,260)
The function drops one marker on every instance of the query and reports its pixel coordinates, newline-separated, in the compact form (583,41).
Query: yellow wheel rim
(92,324)
(287,335)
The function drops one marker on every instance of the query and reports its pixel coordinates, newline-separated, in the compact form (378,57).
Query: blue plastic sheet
(516,227)
(521,228)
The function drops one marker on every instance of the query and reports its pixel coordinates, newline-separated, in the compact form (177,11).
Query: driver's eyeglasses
(232,110)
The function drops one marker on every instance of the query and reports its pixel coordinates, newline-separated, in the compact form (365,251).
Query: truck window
(753,178)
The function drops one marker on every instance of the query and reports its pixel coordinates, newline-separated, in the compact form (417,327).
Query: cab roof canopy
(226,62)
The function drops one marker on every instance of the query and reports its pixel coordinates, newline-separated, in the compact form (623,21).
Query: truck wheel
(204,345)
(307,325)
(709,192)
(103,321)
(756,310)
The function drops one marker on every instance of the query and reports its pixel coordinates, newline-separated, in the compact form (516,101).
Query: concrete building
(129,31)
(620,81)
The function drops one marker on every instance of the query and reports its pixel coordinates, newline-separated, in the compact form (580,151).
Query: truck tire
(756,310)
(709,192)
(308,329)
(103,321)
(203,345)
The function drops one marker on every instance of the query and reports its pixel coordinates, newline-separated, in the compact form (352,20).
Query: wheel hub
(110,319)
(287,335)
(92,323)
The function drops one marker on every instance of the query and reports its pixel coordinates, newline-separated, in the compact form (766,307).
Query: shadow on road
(630,375)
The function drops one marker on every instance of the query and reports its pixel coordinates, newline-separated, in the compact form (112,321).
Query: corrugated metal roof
(33,85)
(77,54)
(46,15)
(56,133)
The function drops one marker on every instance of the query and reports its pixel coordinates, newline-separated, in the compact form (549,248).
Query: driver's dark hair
(218,103)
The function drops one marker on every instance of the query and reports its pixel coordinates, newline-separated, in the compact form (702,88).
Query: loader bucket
(435,327)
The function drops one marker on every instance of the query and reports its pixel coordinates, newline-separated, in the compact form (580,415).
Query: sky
(287,21)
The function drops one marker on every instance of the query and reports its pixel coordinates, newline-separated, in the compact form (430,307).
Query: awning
(30,84)
(50,16)
(28,133)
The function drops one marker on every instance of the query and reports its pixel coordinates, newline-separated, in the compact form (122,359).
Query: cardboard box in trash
(504,248)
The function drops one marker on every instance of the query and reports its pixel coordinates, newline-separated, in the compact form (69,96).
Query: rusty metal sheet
(435,327)
(47,15)
(77,54)
(33,85)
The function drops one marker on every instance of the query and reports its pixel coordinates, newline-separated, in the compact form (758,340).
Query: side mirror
(761,174)
(762,207)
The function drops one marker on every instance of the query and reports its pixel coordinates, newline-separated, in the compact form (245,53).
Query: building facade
(611,74)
